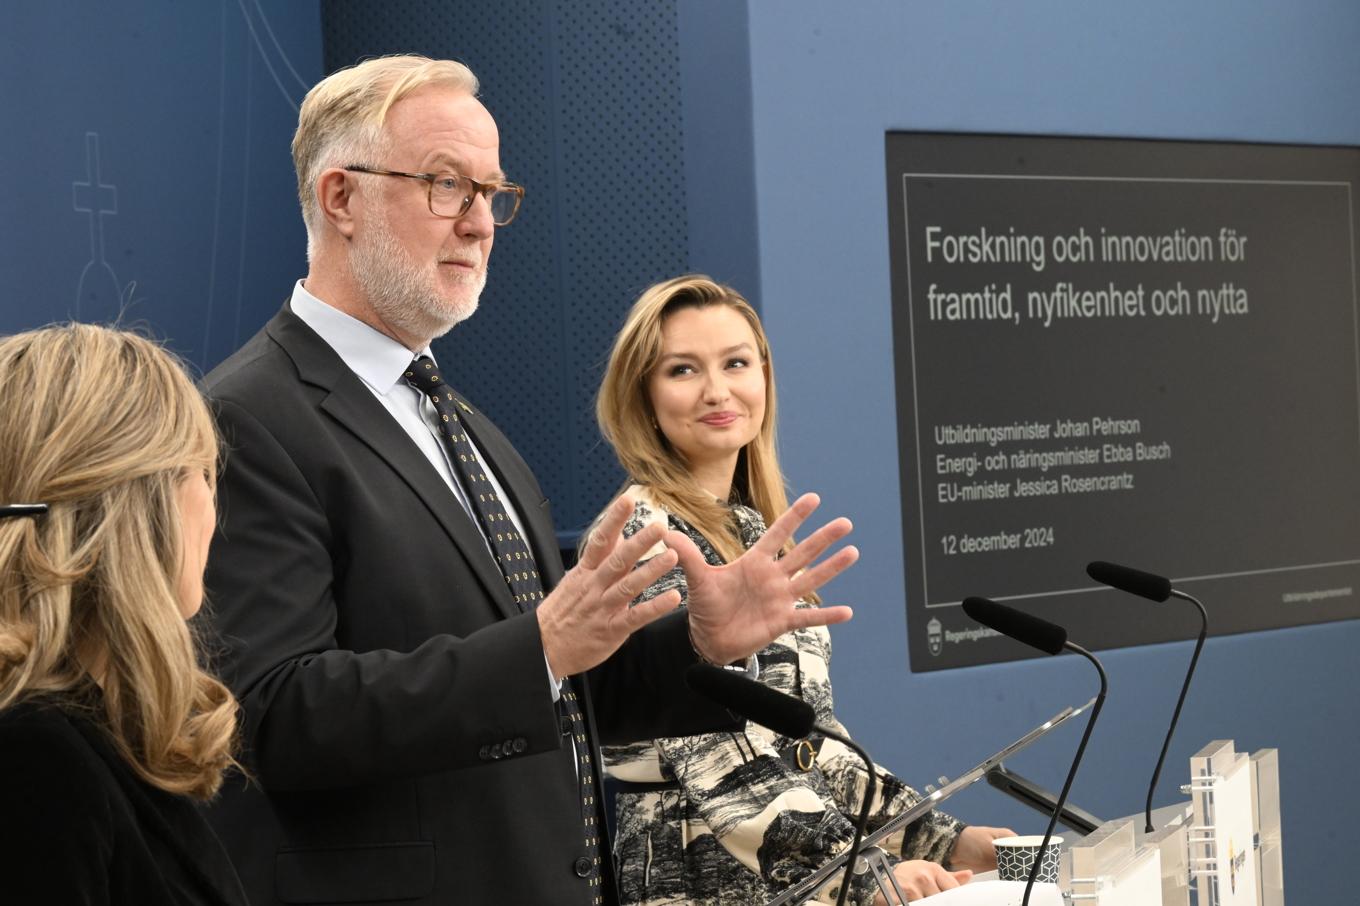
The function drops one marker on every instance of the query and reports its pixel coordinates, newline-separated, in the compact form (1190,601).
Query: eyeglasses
(452,195)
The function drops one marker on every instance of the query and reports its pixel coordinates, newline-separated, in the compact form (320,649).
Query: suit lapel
(351,404)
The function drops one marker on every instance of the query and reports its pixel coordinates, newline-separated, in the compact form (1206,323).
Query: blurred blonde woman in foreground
(109,731)
(688,403)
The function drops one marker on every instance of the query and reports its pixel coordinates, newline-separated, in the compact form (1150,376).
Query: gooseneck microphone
(1133,581)
(18,510)
(757,702)
(789,717)
(1154,588)
(1050,639)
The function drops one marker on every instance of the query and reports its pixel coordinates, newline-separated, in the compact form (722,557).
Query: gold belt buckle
(805,747)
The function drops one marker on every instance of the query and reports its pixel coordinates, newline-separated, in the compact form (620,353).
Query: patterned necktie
(517,565)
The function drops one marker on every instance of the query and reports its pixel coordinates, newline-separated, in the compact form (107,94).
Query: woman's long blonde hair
(627,420)
(102,426)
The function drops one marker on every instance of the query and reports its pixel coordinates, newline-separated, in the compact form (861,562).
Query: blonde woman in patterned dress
(688,403)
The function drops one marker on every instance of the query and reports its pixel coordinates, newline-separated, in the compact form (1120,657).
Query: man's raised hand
(737,609)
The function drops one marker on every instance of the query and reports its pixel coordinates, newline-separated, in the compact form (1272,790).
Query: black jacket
(79,828)
(397,707)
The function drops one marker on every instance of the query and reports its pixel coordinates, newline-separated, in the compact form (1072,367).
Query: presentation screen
(1143,352)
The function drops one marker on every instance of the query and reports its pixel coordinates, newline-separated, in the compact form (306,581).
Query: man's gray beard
(403,295)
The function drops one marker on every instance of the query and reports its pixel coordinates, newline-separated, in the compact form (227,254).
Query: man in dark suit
(410,658)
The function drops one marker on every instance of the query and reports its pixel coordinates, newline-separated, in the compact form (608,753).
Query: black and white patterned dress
(739,822)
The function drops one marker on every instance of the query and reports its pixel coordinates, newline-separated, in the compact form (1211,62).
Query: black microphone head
(1023,627)
(1133,581)
(754,701)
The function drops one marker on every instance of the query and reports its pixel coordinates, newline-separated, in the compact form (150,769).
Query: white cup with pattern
(1015,858)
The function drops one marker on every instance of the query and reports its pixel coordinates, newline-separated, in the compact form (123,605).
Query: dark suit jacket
(79,828)
(398,714)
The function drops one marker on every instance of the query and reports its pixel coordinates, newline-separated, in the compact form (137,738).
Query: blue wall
(145,173)
(586,95)
(826,81)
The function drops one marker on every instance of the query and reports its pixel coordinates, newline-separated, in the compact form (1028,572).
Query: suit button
(496,751)
(520,744)
(582,867)
(565,724)
(508,747)
(484,753)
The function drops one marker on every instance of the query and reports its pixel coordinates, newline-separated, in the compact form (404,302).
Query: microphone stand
(1176,715)
(870,790)
(1072,773)
(790,717)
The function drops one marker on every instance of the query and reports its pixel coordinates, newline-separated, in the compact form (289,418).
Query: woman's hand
(922,879)
(974,848)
